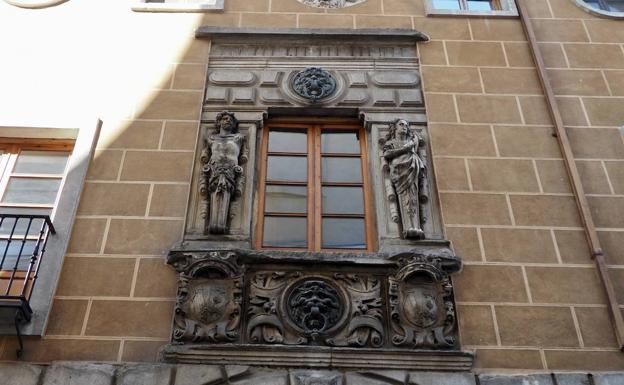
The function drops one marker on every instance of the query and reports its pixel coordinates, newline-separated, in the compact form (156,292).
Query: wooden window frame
(313,129)
(13,147)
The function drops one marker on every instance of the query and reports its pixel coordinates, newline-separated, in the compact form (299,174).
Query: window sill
(208,6)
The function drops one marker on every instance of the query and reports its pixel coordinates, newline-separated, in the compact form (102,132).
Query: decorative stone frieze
(231,297)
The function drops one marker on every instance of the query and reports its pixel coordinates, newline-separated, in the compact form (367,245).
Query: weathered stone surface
(75,373)
(19,374)
(197,374)
(608,379)
(572,379)
(537,379)
(309,377)
(144,375)
(435,378)
(263,378)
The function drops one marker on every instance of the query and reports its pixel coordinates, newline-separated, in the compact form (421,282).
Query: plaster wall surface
(529,297)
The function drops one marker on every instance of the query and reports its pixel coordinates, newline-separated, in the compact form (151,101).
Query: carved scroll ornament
(222,178)
(404,171)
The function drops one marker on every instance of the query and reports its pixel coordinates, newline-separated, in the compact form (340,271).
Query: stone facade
(528,298)
(78,373)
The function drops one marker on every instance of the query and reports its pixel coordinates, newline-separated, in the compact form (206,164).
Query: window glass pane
(616,5)
(285,140)
(446,4)
(11,254)
(341,170)
(593,4)
(479,5)
(343,200)
(31,190)
(343,233)
(285,232)
(41,162)
(22,224)
(287,168)
(340,142)
(286,199)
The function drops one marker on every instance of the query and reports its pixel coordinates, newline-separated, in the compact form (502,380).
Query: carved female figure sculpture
(406,171)
(223,154)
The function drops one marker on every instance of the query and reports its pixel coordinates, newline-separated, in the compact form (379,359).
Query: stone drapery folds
(405,177)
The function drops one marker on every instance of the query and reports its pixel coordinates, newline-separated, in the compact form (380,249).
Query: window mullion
(315,214)
(463,4)
(8,169)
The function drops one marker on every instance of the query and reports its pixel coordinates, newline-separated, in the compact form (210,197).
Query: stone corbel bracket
(209,299)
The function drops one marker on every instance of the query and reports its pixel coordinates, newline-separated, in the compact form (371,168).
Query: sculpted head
(399,127)
(226,123)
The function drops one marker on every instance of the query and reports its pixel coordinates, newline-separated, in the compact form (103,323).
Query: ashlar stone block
(74,373)
(19,374)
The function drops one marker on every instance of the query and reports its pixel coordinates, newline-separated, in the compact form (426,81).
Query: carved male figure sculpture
(406,172)
(223,154)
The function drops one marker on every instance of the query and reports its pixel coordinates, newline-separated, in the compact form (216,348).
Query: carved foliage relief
(410,307)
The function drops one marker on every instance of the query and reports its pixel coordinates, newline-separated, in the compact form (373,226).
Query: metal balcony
(23,240)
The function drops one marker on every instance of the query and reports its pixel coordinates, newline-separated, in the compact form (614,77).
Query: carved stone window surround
(377,82)
(392,306)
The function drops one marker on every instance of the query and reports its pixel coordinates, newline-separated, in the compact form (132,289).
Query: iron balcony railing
(23,240)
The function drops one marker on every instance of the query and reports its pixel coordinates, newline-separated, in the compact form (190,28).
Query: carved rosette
(209,301)
(422,313)
(314,84)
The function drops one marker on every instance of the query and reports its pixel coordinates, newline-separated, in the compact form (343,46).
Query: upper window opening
(331,3)
(178,5)
(606,5)
(471,7)
(468,5)
(314,188)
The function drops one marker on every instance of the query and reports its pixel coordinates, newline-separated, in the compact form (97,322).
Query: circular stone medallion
(331,3)
(314,306)
(314,84)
